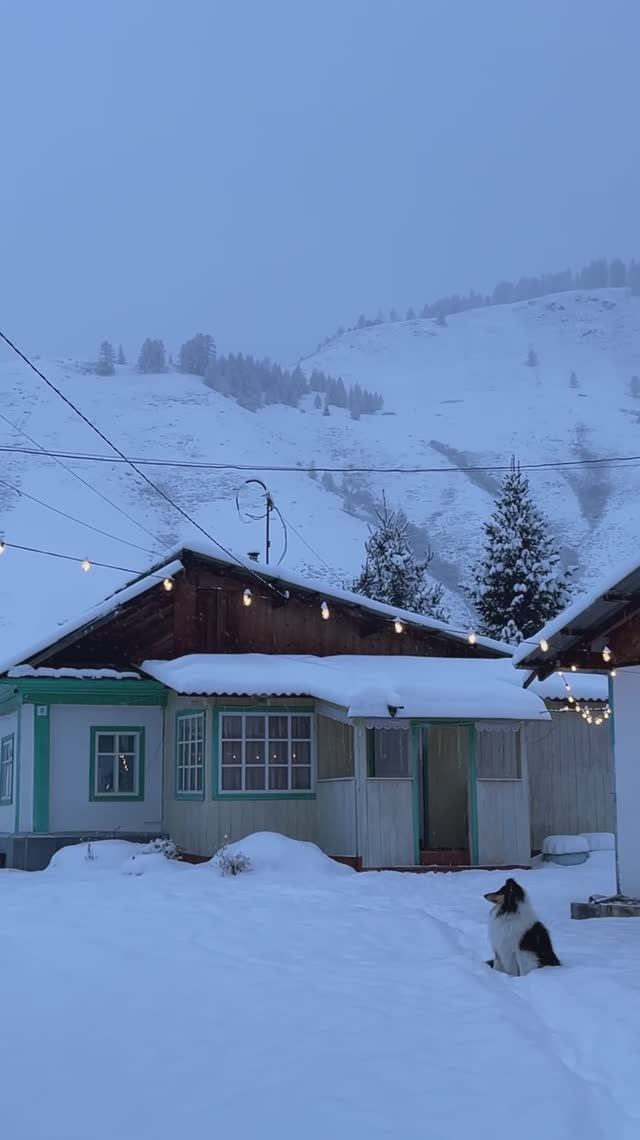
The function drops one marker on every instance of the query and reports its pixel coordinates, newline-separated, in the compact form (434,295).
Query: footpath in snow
(303,1001)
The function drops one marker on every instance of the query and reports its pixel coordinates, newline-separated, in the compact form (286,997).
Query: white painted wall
(70,808)
(8,725)
(389,831)
(27,715)
(626,755)
(336,801)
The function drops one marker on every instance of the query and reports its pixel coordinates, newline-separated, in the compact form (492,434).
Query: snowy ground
(304,1000)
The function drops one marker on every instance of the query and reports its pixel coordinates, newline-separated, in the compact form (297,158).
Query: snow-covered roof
(28,671)
(366,686)
(569,616)
(103,609)
(582,686)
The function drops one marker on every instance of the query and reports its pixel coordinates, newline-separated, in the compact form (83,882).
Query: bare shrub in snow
(232,862)
(163,845)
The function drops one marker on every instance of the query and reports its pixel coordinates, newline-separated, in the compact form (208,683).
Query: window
(117,763)
(190,754)
(262,753)
(388,753)
(498,753)
(6,770)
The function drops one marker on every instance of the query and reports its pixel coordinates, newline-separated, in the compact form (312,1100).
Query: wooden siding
(389,830)
(571,777)
(503,821)
(204,613)
(335,749)
(336,801)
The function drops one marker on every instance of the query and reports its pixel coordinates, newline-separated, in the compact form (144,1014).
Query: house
(570,760)
(210,698)
(600,633)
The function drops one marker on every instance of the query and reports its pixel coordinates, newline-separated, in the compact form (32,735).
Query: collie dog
(520,942)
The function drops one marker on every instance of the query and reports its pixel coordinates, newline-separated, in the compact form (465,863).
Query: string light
(544,645)
(85,565)
(168,584)
(398,626)
(571,698)
(471,637)
(574,668)
(606,654)
(247,597)
(325,611)
(612,673)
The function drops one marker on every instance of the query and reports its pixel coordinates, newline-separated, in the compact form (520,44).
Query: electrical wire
(51,455)
(75,558)
(72,518)
(101,435)
(614,461)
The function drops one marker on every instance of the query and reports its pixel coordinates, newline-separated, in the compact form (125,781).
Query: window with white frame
(6,770)
(265,752)
(190,753)
(118,757)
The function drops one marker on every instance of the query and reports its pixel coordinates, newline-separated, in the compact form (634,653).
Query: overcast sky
(267,169)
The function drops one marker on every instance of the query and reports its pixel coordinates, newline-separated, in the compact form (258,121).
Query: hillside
(454,396)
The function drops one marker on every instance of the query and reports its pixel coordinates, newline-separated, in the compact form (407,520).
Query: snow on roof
(575,610)
(317,585)
(26,671)
(113,602)
(367,686)
(584,687)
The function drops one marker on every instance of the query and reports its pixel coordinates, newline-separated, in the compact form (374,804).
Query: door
(447,794)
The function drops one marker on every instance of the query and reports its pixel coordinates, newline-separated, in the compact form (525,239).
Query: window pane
(300,752)
(231,752)
(301,779)
(126,772)
(390,752)
(199,774)
(300,727)
(231,779)
(106,742)
(126,742)
(254,727)
(278,752)
(105,774)
(232,727)
(278,727)
(278,779)
(254,752)
(254,780)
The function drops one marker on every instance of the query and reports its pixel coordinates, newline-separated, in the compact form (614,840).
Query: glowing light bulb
(571,698)
(606,654)
(577,708)
(85,565)
(574,668)
(544,645)
(168,584)
(325,611)
(398,626)
(471,637)
(247,597)
(612,673)
(598,720)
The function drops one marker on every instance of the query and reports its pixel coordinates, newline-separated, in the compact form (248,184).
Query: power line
(615,461)
(287,522)
(130,462)
(57,459)
(81,561)
(72,518)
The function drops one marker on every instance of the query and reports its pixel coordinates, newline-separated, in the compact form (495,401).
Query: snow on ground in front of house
(302,1000)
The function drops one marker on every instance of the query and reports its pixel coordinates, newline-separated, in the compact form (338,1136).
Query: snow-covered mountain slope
(454,396)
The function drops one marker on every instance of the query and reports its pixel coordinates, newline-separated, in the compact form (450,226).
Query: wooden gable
(205,613)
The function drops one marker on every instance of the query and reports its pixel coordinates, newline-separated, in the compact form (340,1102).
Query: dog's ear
(495,897)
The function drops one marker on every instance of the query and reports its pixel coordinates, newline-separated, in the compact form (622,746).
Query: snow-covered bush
(163,845)
(231,861)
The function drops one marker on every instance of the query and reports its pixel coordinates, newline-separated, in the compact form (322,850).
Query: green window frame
(190,745)
(264,753)
(117,763)
(7,768)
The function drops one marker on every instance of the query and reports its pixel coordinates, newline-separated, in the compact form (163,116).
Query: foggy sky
(267,169)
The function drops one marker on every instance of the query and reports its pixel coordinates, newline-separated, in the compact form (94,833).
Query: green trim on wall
(189,795)
(79,691)
(416,760)
(41,770)
(18,763)
(116,797)
(274,710)
(8,800)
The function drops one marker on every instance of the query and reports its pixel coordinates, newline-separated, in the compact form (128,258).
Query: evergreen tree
(196,354)
(393,315)
(634,386)
(532,358)
(573,381)
(317,403)
(391,571)
(518,584)
(152,357)
(106,360)
(411,314)
(325,410)
(441,320)
(121,359)
(617,273)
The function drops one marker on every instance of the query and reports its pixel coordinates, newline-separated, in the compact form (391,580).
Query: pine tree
(573,381)
(106,360)
(634,387)
(196,354)
(317,403)
(532,359)
(121,358)
(391,571)
(518,584)
(152,357)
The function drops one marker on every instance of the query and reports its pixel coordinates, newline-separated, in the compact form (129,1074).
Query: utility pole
(269,506)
